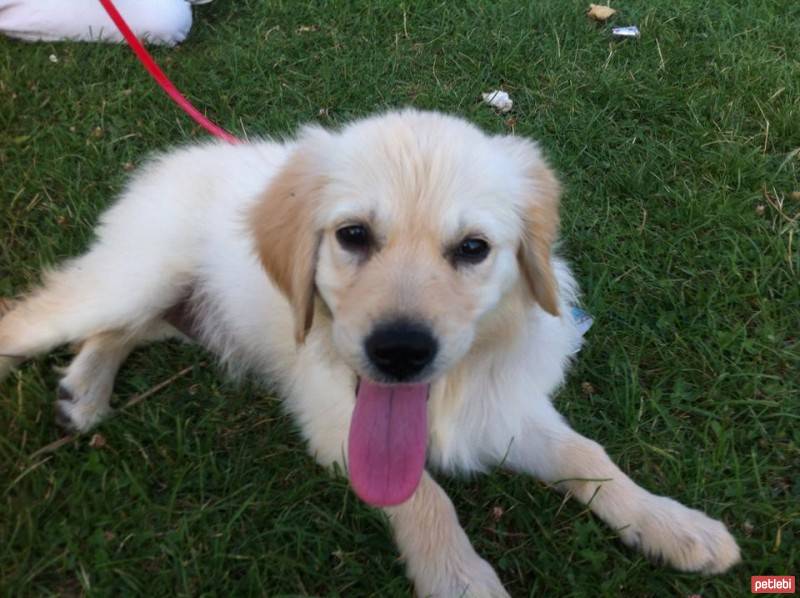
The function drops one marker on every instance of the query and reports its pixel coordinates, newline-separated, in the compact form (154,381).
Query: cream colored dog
(396,278)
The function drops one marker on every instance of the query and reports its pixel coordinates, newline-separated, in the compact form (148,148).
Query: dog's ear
(540,224)
(286,235)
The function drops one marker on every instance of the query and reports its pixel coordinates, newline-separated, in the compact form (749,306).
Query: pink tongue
(388,435)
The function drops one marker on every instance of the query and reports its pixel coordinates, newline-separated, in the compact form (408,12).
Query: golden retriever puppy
(396,278)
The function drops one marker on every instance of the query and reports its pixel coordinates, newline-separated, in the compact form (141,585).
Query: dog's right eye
(355,237)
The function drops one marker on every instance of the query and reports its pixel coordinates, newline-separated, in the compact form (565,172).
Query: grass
(677,151)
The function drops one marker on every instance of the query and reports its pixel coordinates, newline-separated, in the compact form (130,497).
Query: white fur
(164,22)
(184,219)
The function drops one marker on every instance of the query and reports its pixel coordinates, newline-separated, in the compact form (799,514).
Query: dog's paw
(79,413)
(689,540)
(476,579)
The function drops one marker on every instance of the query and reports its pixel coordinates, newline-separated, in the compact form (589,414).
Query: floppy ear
(540,222)
(286,236)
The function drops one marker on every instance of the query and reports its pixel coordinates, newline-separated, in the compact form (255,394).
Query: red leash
(157,74)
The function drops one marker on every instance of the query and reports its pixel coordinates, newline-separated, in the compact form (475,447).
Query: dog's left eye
(471,250)
(355,237)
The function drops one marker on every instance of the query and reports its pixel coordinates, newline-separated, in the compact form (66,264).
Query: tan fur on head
(541,230)
(286,237)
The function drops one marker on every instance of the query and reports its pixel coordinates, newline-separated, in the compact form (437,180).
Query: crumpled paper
(499,100)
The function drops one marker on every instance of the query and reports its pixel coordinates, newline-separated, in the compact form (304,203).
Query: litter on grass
(631,31)
(600,12)
(499,100)
(583,321)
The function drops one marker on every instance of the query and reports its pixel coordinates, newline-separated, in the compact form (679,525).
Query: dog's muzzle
(401,349)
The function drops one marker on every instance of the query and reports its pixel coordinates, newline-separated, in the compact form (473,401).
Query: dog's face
(411,228)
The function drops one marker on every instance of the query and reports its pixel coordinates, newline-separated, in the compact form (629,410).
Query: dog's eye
(355,237)
(471,250)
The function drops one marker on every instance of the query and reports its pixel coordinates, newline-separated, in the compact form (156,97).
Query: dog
(397,280)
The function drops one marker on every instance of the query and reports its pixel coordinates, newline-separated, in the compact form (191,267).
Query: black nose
(401,349)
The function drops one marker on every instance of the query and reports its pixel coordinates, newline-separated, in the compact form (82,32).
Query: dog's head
(410,228)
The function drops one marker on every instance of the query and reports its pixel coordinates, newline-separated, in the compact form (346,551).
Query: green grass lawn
(679,153)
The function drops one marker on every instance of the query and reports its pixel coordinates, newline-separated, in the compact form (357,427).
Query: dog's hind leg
(84,393)
(109,288)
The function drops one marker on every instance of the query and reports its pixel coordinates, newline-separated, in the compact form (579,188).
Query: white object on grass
(632,31)
(165,22)
(498,99)
(583,321)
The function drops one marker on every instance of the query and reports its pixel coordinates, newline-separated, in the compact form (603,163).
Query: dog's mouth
(388,441)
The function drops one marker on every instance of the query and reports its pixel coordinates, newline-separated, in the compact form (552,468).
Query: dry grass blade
(158,387)
(6,305)
(57,444)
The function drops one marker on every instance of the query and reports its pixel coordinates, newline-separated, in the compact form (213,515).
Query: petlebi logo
(772,584)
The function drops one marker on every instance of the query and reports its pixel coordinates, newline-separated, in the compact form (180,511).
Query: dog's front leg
(439,557)
(662,528)
(440,560)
